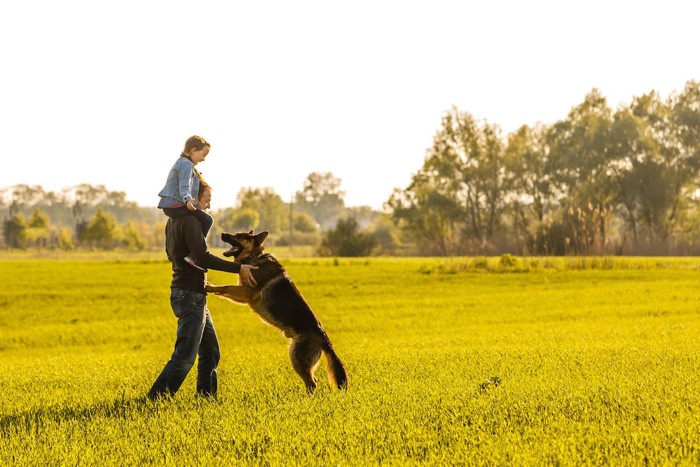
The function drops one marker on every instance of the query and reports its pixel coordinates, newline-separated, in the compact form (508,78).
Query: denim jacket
(181,186)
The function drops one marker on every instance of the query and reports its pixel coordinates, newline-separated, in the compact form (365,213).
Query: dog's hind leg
(305,353)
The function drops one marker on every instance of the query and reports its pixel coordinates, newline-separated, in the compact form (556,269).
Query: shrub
(346,240)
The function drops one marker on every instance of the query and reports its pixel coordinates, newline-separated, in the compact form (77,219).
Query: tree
(364,215)
(455,202)
(305,231)
(387,237)
(304,223)
(15,230)
(242,219)
(132,238)
(321,197)
(38,232)
(25,195)
(653,167)
(101,230)
(685,123)
(578,164)
(346,240)
(466,162)
(529,189)
(271,209)
(428,214)
(684,129)
(578,151)
(90,195)
(38,220)
(634,169)
(65,239)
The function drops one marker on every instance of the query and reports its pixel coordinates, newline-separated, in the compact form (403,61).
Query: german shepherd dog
(279,303)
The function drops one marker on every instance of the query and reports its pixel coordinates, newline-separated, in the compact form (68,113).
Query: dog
(278,302)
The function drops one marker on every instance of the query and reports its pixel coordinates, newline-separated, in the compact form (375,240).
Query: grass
(462,361)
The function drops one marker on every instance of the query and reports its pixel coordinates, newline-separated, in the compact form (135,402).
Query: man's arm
(198,248)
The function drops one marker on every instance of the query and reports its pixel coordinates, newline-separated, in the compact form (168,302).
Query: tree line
(87,216)
(82,215)
(600,181)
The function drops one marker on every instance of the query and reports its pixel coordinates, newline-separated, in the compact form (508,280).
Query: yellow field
(461,361)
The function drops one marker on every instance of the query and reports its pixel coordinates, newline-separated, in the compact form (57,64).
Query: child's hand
(190,205)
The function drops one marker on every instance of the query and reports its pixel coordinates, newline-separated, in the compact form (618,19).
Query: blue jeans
(196,336)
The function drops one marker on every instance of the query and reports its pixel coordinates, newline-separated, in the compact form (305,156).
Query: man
(196,335)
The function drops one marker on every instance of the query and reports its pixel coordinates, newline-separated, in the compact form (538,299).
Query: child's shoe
(190,260)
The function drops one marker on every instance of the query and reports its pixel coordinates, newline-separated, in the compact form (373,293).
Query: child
(179,195)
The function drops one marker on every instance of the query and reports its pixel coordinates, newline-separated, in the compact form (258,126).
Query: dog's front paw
(209,287)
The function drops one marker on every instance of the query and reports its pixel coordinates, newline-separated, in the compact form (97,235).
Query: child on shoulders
(179,195)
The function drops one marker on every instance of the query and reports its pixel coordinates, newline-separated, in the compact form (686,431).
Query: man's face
(204,200)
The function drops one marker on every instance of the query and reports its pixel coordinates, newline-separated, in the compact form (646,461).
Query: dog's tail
(336,371)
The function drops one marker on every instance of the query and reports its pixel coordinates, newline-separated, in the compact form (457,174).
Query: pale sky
(108,92)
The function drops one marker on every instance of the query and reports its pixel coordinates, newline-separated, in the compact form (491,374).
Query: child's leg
(176,212)
(206,220)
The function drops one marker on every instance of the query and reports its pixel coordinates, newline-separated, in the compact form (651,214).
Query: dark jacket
(183,236)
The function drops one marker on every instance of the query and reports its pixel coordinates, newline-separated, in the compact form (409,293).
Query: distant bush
(346,240)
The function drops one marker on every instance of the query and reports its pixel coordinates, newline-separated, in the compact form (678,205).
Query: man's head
(204,196)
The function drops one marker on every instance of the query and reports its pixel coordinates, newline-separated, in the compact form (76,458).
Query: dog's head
(244,244)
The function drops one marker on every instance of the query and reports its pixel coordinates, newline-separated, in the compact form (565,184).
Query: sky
(108,92)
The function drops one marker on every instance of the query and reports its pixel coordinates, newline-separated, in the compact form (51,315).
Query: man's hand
(247,276)
(191,205)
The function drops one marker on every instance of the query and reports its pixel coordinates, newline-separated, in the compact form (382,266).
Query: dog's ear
(259,238)
(251,232)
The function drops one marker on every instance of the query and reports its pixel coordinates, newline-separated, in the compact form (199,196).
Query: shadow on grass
(120,408)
